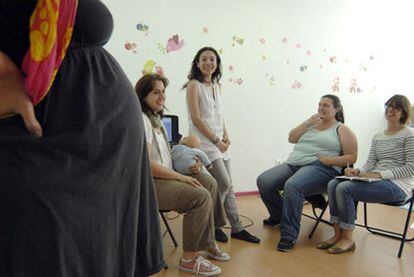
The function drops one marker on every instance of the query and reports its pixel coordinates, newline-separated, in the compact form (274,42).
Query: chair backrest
(171,125)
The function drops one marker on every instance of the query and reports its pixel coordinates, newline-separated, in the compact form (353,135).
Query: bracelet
(307,123)
(215,140)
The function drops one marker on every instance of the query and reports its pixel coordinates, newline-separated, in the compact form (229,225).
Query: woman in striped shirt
(391,159)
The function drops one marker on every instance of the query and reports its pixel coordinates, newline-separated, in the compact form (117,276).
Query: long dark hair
(339,116)
(144,86)
(195,72)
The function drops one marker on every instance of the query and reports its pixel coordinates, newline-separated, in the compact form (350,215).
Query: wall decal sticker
(237,41)
(131,46)
(174,44)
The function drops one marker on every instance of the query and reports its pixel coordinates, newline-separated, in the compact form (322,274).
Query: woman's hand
(325,160)
(222,146)
(314,120)
(196,168)
(13,98)
(189,180)
(351,172)
(226,140)
(374,175)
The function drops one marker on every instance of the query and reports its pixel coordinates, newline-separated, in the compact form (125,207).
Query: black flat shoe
(271,221)
(246,236)
(285,245)
(220,236)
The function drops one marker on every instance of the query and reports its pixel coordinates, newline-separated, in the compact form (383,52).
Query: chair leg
(169,229)
(407,222)
(319,218)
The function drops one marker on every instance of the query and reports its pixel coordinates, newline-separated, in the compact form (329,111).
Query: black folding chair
(168,226)
(402,237)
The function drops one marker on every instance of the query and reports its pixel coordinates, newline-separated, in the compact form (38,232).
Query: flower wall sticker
(296,85)
(148,67)
(237,41)
(161,48)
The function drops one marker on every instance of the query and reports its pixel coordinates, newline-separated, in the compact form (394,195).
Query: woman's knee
(331,187)
(343,189)
(202,197)
(264,182)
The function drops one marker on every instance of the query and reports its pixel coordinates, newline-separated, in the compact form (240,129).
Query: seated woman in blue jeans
(391,158)
(323,145)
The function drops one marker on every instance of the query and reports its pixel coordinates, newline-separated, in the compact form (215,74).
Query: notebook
(356,178)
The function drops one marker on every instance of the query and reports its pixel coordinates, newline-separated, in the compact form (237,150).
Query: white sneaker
(218,255)
(201,267)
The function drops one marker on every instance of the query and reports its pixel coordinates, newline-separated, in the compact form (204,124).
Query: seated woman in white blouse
(195,196)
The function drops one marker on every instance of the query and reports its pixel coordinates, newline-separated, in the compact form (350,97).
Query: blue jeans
(297,182)
(343,194)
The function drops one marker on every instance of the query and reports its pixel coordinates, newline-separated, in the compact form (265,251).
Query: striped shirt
(393,157)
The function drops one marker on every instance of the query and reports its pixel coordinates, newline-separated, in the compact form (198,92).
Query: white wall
(370,40)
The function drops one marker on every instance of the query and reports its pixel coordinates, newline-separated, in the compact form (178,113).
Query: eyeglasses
(392,107)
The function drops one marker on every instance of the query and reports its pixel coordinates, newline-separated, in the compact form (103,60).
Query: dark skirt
(80,200)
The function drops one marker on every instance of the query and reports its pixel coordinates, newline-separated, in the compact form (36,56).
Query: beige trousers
(201,207)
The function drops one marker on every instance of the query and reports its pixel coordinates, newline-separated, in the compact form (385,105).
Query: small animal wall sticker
(159,70)
(309,53)
(205,30)
(296,85)
(142,27)
(352,86)
(335,85)
(237,41)
(236,81)
(285,40)
(131,46)
(262,40)
(174,44)
(303,68)
(333,59)
(148,67)
(161,48)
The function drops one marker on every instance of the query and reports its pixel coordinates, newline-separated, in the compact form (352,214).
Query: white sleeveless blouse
(211,113)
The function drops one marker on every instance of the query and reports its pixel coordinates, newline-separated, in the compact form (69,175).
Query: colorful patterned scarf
(51,27)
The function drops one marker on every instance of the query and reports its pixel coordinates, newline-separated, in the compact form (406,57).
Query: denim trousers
(297,182)
(343,194)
